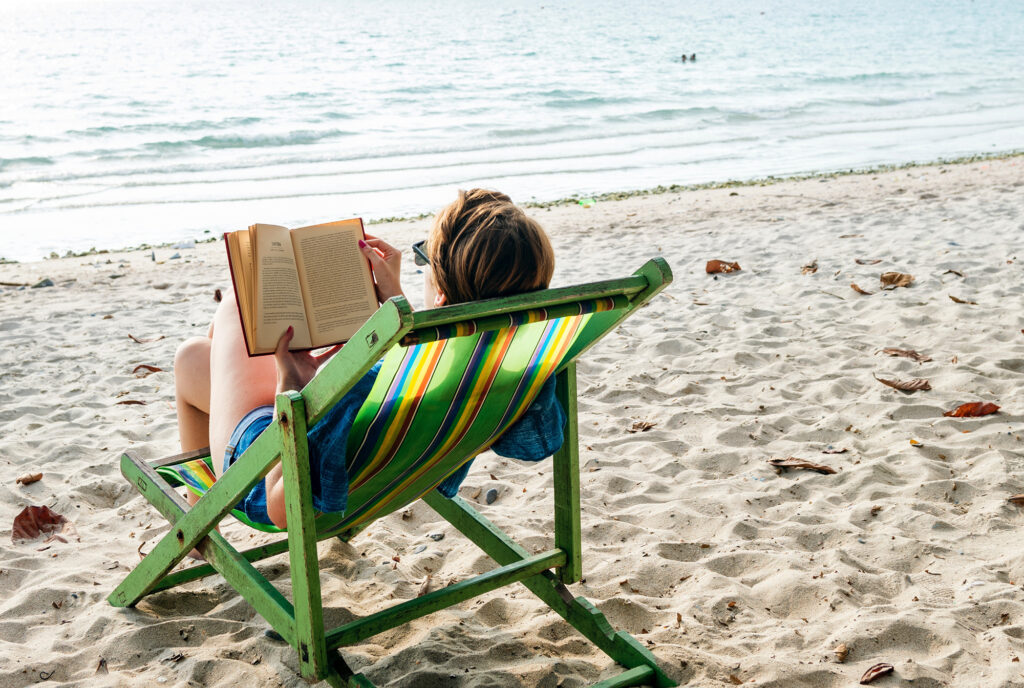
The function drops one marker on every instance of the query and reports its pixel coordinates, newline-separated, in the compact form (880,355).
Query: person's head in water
(483,246)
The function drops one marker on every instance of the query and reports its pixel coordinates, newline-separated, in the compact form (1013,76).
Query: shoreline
(599,198)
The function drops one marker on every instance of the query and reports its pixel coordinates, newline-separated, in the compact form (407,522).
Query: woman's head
(483,246)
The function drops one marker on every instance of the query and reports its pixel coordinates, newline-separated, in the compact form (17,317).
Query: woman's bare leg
(238,384)
(192,392)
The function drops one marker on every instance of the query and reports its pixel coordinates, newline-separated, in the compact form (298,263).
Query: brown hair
(483,246)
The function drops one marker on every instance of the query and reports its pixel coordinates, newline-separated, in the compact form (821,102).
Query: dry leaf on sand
(793,462)
(954,299)
(132,402)
(868,261)
(34,521)
(640,426)
(1017,499)
(861,291)
(881,669)
(29,478)
(809,268)
(830,450)
(714,266)
(917,384)
(144,341)
(972,410)
(907,353)
(145,370)
(891,280)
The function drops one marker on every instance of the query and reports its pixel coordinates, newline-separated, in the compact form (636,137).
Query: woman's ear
(440,300)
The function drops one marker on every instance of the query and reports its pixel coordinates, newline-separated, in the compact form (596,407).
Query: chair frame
(300,622)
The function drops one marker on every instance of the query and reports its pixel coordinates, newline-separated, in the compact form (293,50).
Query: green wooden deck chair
(452,380)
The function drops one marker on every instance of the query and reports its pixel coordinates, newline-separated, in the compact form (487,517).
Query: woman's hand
(296,369)
(386,261)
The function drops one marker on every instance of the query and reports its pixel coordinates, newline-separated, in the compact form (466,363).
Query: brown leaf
(34,521)
(640,426)
(875,671)
(132,402)
(914,385)
(148,370)
(217,295)
(841,652)
(809,268)
(794,462)
(29,478)
(972,410)
(861,291)
(101,666)
(868,261)
(144,341)
(1017,499)
(850,236)
(835,451)
(734,679)
(891,280)
(907,353)
(958,300)
(714,266)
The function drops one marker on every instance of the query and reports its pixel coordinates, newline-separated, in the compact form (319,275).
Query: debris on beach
(955,272)
(972,410)
(29,478)
(640,426)
(832,450)
(955,299)
(721,266)
(424,587)
(867,261)
(45,282)
(144,341)
(146,370)
(841,652)
(892,280)
(1017,499)
(907,353)
(35,521)
(876,671)
(132,402)
(217,295)
(859,290)
(915,385)
(491,496)
(793,462)
(809,268)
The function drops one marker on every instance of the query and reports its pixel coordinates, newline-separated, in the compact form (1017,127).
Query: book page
(337,284)
(239,248)
(278,296)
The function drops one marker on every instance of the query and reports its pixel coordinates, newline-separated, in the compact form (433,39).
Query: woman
(481,246)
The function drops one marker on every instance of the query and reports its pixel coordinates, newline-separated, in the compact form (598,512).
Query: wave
(37,160)
(195,125)
(589,102)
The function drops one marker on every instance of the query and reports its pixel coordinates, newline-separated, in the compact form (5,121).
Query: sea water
(140,121)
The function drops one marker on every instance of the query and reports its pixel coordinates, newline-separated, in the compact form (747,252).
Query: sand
(731,573)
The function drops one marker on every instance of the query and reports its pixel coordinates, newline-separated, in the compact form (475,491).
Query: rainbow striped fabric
(435,405)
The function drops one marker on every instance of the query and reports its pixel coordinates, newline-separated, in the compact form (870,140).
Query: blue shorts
(253,505)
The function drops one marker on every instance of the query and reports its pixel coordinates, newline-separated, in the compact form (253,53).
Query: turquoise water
(131,121)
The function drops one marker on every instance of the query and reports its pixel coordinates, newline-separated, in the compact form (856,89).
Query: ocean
(125,122)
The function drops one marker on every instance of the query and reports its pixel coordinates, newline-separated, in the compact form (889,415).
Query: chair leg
(305,567)
(567,481)
(579,612)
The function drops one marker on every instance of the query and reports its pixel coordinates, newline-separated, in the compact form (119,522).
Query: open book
(313,278)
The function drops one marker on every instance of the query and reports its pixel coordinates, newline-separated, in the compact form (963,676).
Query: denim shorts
(246,432)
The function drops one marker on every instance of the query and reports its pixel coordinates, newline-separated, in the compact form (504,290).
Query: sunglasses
(419,253)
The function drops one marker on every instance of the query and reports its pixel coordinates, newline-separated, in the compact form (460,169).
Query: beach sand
(731,573)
